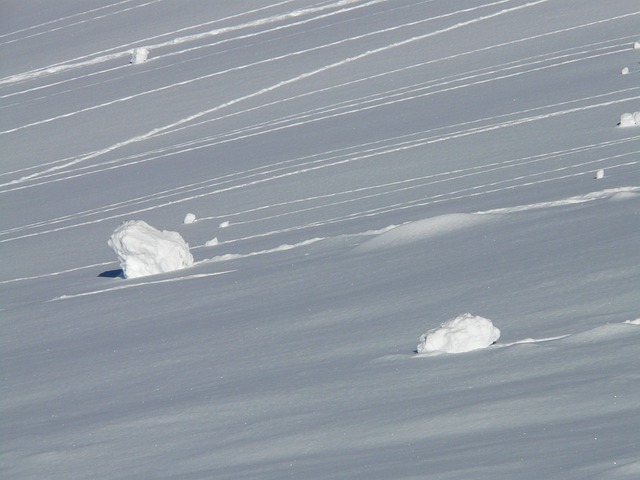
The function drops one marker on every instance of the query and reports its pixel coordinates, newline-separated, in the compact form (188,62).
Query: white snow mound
(143,250)
(139,55)
(464,333)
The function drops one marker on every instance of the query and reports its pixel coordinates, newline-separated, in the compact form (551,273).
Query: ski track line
(439,198)
(418,186)
(348,153)
(452,175)
(443,80)
(61,19)
(403,189)
(104,55)
(461,54)
(356,105)
(309,166)
(357,110)
(283,83)
(54,274)
(359,80)
(460,194)
(281,123)
(141,284)
(222,72)
(79,22)
(577,199)
(184,82)
(125,53)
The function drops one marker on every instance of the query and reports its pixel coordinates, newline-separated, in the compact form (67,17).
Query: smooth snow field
(309,239)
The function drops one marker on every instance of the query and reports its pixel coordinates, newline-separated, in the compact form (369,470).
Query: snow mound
(212,243)
(464,333)
(139,55)
(143,250)
(630,119)
(633,322)
(421,230)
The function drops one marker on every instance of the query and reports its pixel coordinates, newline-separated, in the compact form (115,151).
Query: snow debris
(633,322)
(630,119)
(139,55)
(636,45)
(143,250)
(600,174)
(212,243)
(464,333)
(225,224)
(189,218)
(625,71)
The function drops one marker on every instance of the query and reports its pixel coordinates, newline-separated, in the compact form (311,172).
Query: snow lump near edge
(143,250)
(464,333)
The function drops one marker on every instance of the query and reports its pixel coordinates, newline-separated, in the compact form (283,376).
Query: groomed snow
(143,250)
(463,333)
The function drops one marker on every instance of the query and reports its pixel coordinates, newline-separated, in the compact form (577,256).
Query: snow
(381,166)
(189,218)
(463,333)
(630,119)
(139,55)
(212,243)
(143,250)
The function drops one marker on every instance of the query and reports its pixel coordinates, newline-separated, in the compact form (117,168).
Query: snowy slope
(368,169)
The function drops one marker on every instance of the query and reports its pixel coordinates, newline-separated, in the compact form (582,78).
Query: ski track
(299,168)
(141,284)
(383,99)
(70,168)
(269,89)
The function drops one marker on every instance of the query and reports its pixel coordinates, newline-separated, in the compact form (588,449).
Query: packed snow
(381,166)
(463,333)
(143,250)
(189,218)
(139,55)
(630,119)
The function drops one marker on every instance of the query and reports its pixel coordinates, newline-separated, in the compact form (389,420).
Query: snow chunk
(633,322)
(625,71)
(630,119)
(600,174)
(224,224)
(189,218)
(139,55)
(143,250)
(464,333)
(636,45)
(212,243)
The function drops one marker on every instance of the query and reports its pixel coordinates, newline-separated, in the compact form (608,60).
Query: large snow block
(143,250)
(464,333)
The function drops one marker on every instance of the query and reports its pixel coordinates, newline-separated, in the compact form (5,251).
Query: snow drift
(464,333)
(143,250)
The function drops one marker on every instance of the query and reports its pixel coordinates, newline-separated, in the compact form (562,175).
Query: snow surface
(461,334)
(143,250)
(368,168)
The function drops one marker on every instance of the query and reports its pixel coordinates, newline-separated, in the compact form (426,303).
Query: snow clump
(139,55)
(143,250)
(630,119)
(464,333)
(189,218)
